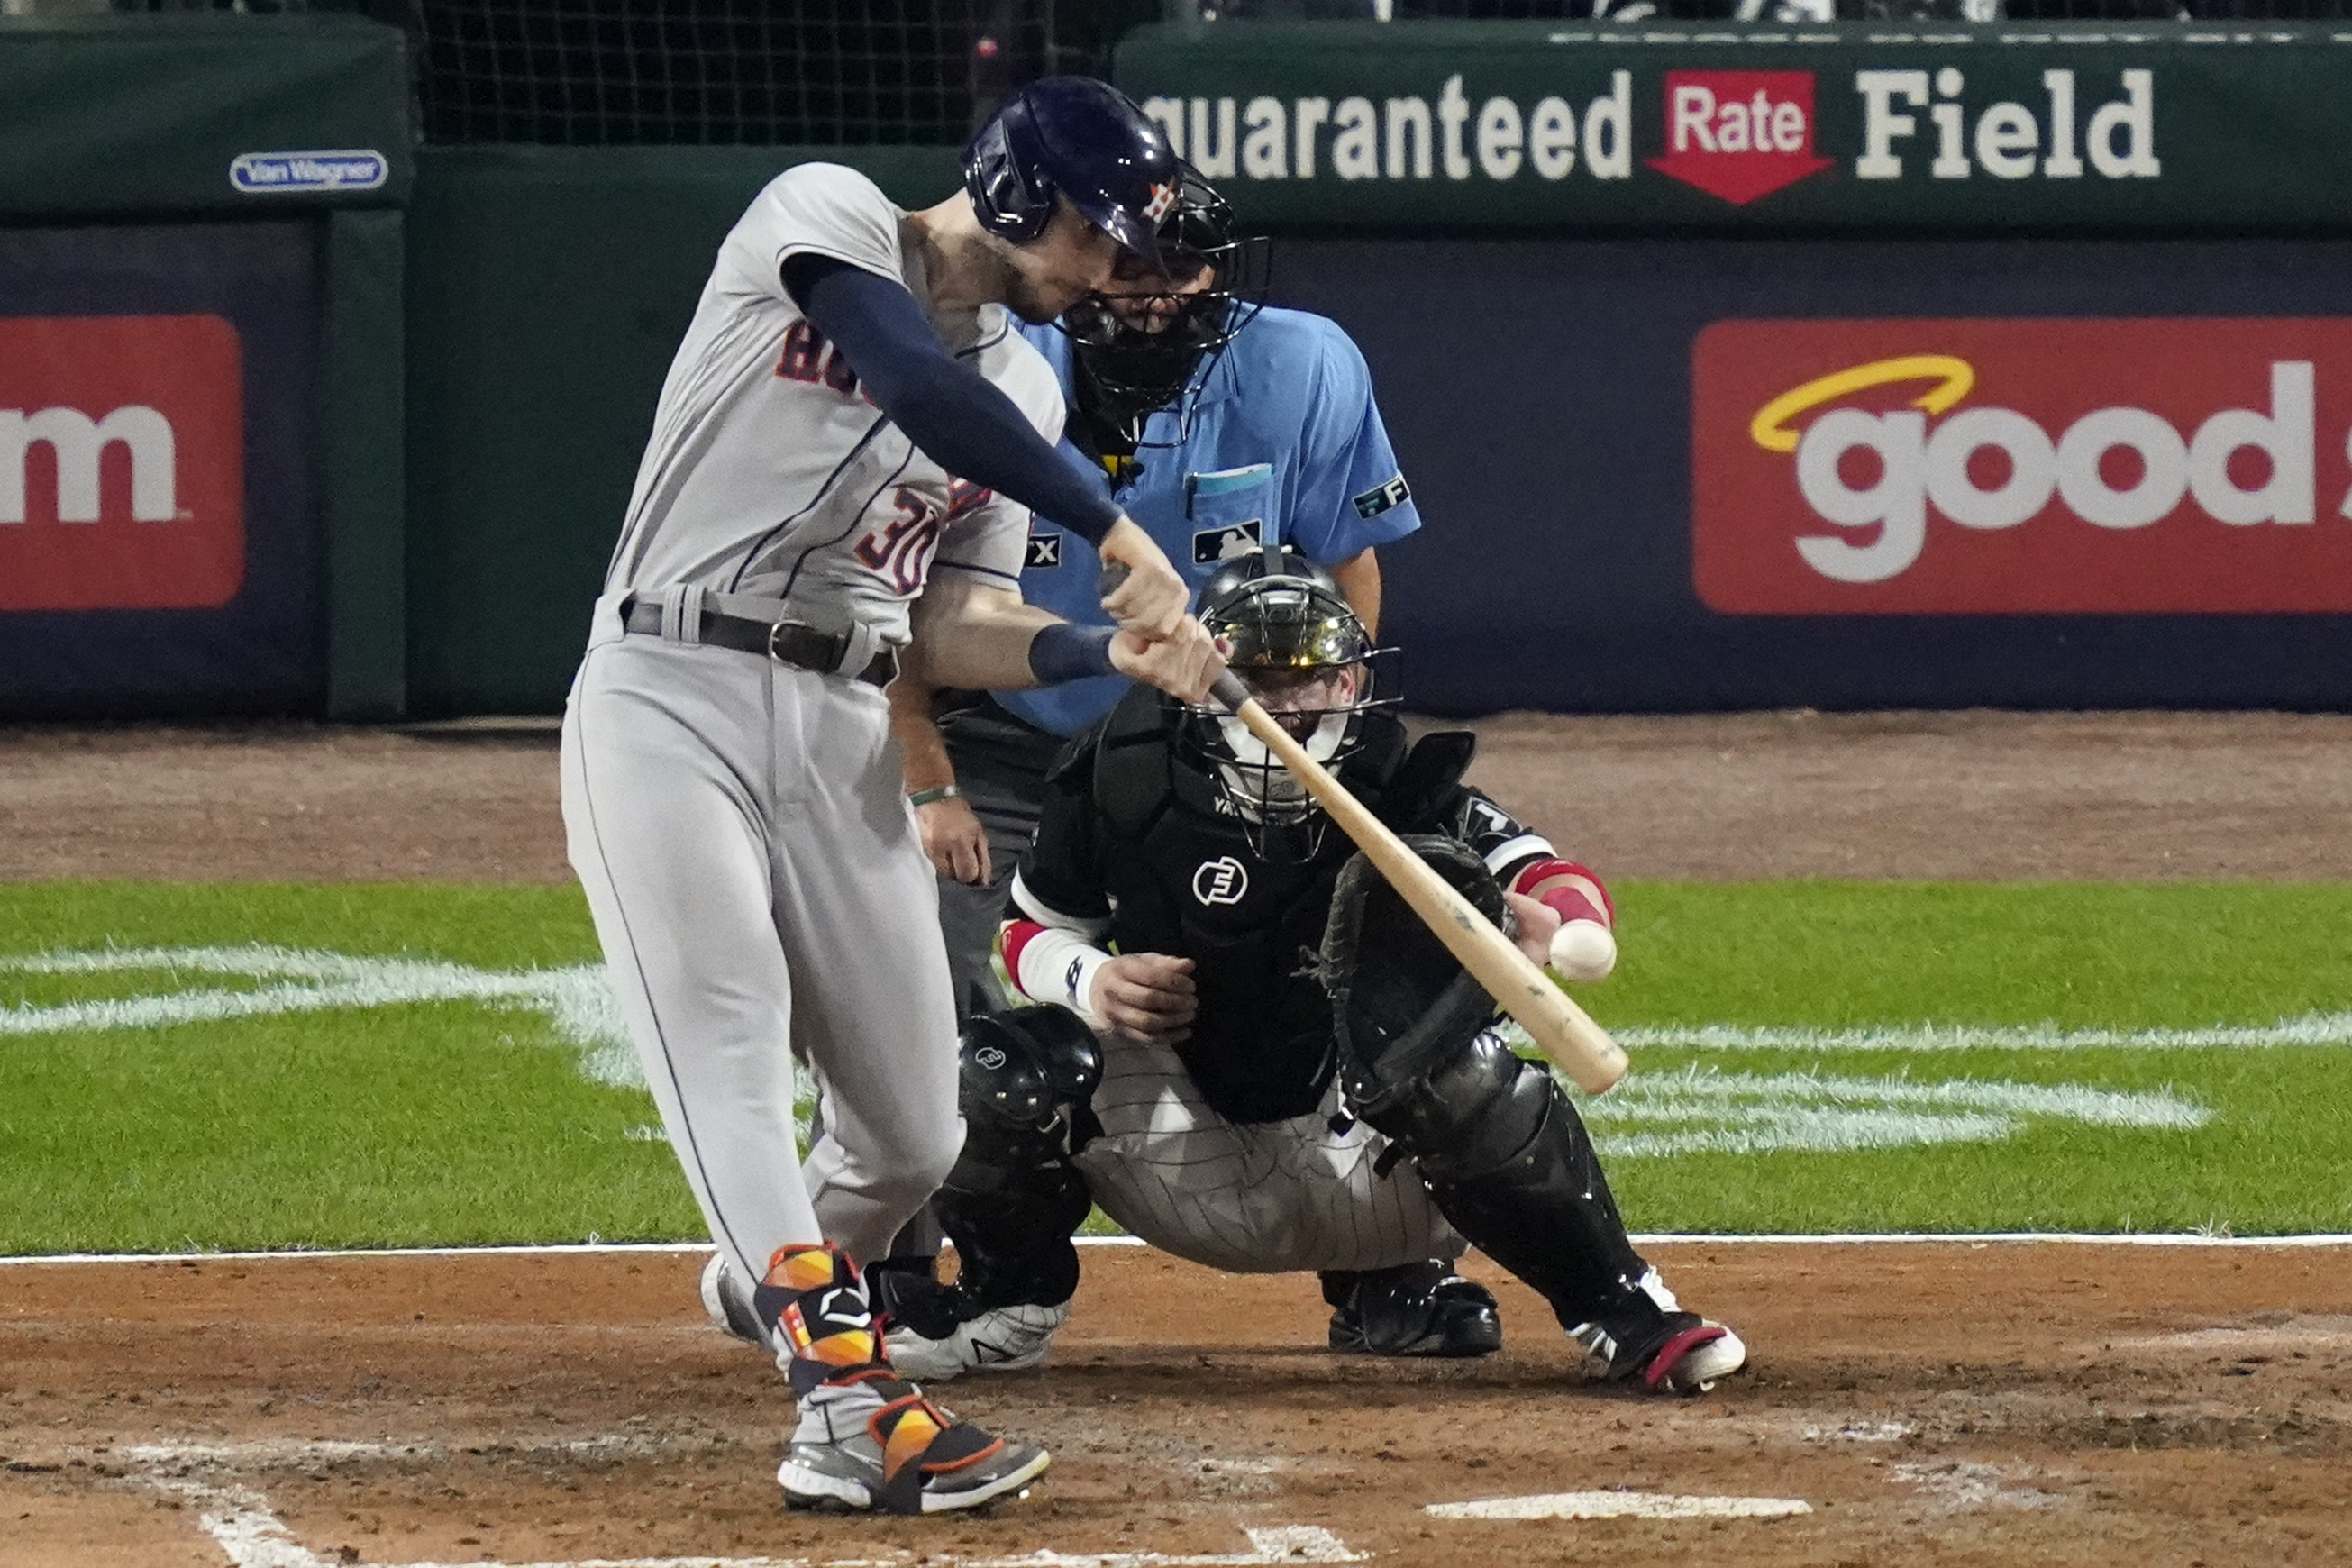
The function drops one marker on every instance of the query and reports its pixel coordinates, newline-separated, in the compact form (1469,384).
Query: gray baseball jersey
(770,474)
(736,822)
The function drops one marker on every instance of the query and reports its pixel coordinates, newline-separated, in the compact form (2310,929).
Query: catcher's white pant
(1256,1198)
(758,886)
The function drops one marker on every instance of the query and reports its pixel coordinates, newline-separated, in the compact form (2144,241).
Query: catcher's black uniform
(1135,844)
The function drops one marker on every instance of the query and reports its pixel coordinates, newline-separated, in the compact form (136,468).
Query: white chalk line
(241,1522)
(1702,1109)
(2303,1029)
(1639,1239)
(1621,1505)
(576,999)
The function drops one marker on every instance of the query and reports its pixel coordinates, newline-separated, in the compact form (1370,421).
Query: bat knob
(1114,572)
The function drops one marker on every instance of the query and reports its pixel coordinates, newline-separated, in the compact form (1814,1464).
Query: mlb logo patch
(1044,552)
(1212,546)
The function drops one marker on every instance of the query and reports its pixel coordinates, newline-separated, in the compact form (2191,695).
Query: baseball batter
(848,447)
(1254,1055)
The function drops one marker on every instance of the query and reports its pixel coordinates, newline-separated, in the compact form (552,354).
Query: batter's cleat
(1420,1308)
(726,1300)
(996,1339)
(869,1441)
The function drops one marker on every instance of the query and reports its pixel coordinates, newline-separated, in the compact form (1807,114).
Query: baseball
(1583,949)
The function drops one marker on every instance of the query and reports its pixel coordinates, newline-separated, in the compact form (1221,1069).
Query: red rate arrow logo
(1738,134)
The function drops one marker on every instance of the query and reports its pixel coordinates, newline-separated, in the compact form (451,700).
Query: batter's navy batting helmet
(1081,139)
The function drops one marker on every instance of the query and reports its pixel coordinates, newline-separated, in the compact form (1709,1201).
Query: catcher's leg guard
(1013,1200)
(1505,1156)
(1509,1161)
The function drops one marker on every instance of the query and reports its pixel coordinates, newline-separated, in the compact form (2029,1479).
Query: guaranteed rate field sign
(1560,127)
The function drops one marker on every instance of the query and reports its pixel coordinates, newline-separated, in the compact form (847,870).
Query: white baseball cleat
(1680,1353)
(876,1444)
(1002,1339)
(728,1303)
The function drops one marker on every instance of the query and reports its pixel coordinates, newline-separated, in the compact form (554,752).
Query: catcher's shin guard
(1510,1166)
(1013,1200)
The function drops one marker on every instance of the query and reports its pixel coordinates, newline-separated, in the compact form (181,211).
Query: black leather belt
(790,642)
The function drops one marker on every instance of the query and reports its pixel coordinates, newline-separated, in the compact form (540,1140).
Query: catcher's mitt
(1399,1002)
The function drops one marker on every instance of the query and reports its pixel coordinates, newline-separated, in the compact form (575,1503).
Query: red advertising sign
(1990,467)
(1740,134)
(121,462)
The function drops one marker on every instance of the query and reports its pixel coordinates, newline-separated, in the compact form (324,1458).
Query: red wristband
(1569,900)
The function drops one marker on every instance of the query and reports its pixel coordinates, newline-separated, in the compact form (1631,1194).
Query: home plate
(1621,1505)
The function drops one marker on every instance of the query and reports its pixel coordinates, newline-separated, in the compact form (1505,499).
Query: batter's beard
(1021,298)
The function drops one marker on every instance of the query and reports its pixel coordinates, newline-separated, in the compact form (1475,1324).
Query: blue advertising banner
(1737,474)
(158,533)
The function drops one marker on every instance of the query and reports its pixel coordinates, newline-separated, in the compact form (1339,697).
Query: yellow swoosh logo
(1955,376)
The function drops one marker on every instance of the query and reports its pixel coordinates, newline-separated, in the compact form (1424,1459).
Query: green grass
(433,1123)
(458,1122)
(2080,955)
(2076,955)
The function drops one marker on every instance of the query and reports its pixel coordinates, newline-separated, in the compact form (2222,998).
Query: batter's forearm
(985,649)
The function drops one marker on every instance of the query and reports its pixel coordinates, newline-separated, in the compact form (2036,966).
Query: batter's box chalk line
(1621,1505)
(241,1522)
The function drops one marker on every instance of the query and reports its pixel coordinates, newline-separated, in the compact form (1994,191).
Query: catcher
(1186,918)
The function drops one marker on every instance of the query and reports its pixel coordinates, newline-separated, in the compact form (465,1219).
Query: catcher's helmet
(1081,139)
(1305,656)
(1152,344)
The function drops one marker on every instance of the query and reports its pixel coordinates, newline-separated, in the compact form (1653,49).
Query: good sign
(2022,466)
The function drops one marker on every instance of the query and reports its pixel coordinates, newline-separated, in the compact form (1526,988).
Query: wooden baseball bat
(1560,1029)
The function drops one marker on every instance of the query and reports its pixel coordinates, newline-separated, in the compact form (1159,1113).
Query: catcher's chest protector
(1184,879)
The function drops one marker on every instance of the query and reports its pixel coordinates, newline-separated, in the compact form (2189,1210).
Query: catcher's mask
(1145,346)
(1307,659)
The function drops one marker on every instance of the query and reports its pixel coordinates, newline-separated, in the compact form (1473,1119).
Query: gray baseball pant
(758,887)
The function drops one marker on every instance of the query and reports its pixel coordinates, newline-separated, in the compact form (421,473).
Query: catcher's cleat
(1667,1350)
(727,1301)
(870,1441)
(1420,1308)
(995,1339)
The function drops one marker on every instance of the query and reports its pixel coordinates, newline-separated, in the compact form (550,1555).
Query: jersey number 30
(901,548)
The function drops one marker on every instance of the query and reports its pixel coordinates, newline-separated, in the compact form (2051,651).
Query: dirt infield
(1977,794)
(2000,1402)
(2004,1404)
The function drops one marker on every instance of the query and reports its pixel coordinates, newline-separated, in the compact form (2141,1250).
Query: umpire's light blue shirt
(1286,446)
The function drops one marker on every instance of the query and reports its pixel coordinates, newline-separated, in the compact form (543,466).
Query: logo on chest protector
(989,1056)
(1223,880)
